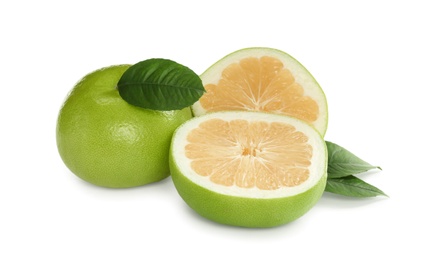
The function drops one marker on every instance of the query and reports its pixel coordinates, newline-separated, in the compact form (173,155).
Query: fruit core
(249,154)
(259,84)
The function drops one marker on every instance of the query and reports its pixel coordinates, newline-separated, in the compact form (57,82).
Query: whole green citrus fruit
(108,142)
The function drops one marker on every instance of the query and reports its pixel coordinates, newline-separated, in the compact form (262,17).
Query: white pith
(318,161)
(301,75)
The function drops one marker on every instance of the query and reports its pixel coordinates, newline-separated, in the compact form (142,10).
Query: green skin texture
(245,212)
(108,142)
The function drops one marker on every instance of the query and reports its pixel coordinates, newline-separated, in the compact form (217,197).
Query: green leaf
(343,163)
(160,84)
(353,187)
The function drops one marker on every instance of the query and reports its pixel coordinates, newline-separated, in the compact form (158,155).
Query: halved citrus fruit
(263,79)
(251,169)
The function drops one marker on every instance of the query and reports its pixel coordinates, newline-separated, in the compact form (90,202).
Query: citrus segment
(263,79)
(246,162)
(249,154)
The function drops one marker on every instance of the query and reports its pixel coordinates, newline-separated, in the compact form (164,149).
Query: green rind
(106,141)
(241,211)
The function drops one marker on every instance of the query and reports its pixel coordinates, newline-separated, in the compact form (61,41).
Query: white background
(370,57)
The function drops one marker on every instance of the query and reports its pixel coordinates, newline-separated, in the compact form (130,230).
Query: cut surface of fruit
(263,79)
(247,168)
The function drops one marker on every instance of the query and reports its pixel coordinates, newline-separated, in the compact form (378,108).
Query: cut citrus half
(251,169)
(263,79)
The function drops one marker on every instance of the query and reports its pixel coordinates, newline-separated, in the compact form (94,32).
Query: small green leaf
(353,187)
(343,163)
(160,84)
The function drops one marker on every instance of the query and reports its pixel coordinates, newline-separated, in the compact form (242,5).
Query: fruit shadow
(166,189)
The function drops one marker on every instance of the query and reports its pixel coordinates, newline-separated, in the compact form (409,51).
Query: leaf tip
(384,194)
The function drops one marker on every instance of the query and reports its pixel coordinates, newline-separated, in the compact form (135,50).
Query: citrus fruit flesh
(263,79)
(108,142)
(251,169)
